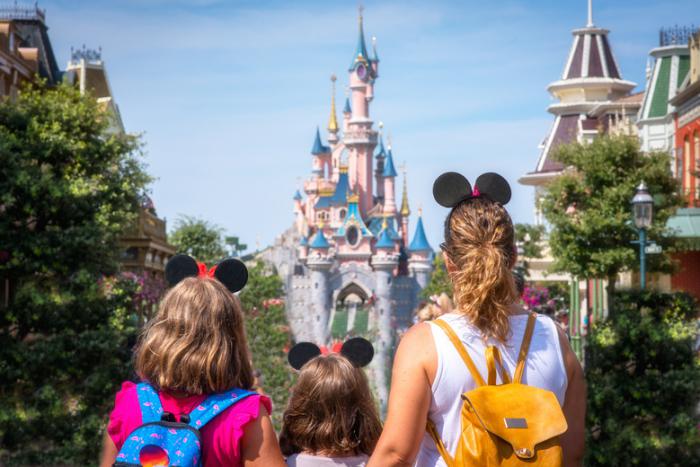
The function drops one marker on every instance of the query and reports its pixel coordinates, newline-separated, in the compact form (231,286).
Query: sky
(227,94)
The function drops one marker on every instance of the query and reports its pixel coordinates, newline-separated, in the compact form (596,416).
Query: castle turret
(320,262)
(359,138)
(321,156)
(380,155)
(420,260)
(389,177)
(384,262)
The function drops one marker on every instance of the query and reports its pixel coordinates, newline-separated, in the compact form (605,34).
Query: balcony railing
(18,12)
(677,35)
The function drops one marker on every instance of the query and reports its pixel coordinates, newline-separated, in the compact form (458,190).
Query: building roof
(380,152)
(685,223)
(405,210)
(385,241)
(340,194)
(347,109)
(361,49)
(297,196)
(318,147)
(591,56)
(319,241)
(389,169)
(304,241)
(420,241)
(353,217)
(671,67)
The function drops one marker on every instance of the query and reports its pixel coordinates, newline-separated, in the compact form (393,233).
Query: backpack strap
(432,431)
(461,350)
(149,402)
(494,363)
(214,405)
(524,348)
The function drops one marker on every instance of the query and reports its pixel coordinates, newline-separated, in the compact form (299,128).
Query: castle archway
(351,312)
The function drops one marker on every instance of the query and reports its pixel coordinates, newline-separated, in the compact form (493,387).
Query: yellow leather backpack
(510,424)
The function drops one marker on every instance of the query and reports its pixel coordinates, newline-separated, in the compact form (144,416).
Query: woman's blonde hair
(330,410)
(480,244)
(436,307)
(196,343)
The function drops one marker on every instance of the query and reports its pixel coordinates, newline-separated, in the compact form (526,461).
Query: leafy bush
(643,377)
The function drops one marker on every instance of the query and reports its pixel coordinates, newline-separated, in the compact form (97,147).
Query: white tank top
(544,368)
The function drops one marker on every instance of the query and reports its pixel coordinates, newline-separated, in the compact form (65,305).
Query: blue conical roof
(347,109)
(385,241)
(380,148)
(361,49)
(320,241)
(297,196)
(420,241)
(389,169)
(304,241)
(375,55)
(318,147)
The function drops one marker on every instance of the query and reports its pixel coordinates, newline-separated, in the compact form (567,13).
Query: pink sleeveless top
(221,437)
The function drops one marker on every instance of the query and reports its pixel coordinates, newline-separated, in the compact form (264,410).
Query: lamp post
(642,208)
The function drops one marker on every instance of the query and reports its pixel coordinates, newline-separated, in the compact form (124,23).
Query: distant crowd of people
(478,380)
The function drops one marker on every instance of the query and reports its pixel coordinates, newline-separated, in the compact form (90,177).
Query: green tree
(268,335)
(199,239)
(643,375)
(67,191)
(439,281)
(588,206)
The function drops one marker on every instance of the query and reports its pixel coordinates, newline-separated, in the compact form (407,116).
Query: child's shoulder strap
(149,402)
(215,404)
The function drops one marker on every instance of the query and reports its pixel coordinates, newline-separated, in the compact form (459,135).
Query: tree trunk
(611,291)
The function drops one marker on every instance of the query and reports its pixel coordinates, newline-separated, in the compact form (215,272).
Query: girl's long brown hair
(330,410)
(196,343)
(480,243)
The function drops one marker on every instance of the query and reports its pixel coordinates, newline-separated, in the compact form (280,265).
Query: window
(352,235)
(342,214)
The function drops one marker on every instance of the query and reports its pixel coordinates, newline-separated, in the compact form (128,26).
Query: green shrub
(643,377)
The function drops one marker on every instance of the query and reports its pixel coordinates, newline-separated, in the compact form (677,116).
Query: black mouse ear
(232,273)
(494,186)
(358,350)
(302,353)
(450,188)
(179,267)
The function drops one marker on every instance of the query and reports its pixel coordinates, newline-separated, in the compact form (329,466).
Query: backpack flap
(522,416)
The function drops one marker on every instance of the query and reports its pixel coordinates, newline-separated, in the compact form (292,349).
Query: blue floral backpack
(161,441)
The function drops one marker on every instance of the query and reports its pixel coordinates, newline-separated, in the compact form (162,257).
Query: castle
(347,262)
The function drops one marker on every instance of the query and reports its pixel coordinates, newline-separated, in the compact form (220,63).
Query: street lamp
(643,210)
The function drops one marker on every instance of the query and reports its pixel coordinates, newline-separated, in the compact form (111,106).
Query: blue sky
(228,94)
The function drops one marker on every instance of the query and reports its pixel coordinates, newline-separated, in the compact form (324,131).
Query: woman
(428,374)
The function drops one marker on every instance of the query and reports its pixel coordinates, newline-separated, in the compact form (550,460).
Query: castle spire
(361,54)
(333,121)
(405,210)
(375,56)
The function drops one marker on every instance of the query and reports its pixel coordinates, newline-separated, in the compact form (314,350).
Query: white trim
(601,54)
(586,55)
(570,60)
(648,96)
(673,82)
(543,156)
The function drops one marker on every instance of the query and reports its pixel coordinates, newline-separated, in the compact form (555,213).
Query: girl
(195,347)
(429,376)
(331,419)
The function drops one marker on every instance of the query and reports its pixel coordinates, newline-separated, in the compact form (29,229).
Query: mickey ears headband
(452,188)
(230,272)
(358,350)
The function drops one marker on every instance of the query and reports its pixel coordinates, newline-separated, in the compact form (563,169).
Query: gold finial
(333,121)
(385,224)
(420,211)
(405,210)
(354,198)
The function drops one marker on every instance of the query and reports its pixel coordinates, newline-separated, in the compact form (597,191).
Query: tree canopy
(588,206)
(68,189)
(198,238)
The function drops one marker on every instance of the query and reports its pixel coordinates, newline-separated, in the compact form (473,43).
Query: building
(25,53)
(686,222)
(347,262)
(25,49)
